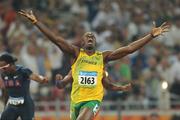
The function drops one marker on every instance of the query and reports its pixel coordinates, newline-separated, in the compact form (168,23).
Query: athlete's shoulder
(22,68)
(19,67)
(81,50)
(99,52)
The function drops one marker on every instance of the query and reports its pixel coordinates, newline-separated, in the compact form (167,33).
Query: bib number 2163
(87,78)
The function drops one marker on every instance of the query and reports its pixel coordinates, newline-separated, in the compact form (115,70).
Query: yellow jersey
(87,73)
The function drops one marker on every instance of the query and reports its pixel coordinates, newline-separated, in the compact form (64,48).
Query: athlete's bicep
(116,54)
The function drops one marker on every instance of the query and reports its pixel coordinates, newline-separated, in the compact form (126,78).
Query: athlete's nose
(90,39)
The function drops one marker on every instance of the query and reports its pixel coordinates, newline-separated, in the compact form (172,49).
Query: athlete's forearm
(58,40)
(46,32)
(38,78)
(132,47)
(109,85)
(114,87)
(123,51)
(140,43)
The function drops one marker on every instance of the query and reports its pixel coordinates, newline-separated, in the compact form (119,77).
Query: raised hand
(29,15)
(156,31)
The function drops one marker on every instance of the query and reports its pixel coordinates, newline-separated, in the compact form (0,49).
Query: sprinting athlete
(16,79)
(88,64)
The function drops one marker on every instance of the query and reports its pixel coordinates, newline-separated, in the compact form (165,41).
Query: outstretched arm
(107,84)
(123,51)
(58,40)
(38,78)
(62,82)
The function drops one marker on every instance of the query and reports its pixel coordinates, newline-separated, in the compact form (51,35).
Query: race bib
(88,79)
(16,101)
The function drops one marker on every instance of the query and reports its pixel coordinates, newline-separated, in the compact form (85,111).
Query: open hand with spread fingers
(156,31)
(29,15)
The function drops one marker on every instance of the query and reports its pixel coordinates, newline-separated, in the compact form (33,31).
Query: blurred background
(154,69)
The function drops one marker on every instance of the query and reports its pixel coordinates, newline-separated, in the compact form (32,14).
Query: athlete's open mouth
(90,41)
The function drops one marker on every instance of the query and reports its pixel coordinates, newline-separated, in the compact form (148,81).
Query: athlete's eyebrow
(90,35)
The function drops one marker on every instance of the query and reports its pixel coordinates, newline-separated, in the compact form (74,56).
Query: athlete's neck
(89,52)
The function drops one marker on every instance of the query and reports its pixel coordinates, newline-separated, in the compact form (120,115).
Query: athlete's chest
(90,60)
(15,80)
